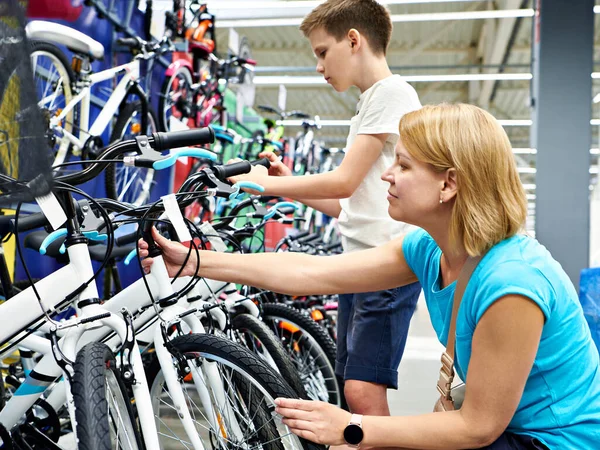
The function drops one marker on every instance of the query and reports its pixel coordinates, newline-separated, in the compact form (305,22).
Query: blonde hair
(337,17)
(490,203)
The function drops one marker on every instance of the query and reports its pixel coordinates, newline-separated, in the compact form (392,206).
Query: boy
(349,39)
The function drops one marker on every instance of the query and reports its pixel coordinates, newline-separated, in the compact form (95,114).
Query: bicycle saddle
(74,40)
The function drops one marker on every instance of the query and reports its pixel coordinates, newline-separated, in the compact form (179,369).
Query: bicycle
(64,91)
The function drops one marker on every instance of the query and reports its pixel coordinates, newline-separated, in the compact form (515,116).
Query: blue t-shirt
(561,401)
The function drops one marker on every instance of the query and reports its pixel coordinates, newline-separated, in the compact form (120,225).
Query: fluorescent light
(346,123)
(530,196)
(529,187)
(595,121)
(323,123)
(427,17)
(464,15)
(524,151)
(515,122)
(596,9)
(596,98)
(290,80)
(226,5)
(526,170)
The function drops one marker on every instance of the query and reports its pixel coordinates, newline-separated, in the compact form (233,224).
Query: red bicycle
(193,92)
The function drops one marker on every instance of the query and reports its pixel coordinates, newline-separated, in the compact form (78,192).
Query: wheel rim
(177,98)
(53,90)
(122,434)
(316,372)
(134,184)
(241,390)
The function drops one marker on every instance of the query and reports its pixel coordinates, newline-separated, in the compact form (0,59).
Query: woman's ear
(450,185)
(355,39)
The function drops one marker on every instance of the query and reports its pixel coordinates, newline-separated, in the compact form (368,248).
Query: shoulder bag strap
(447,371)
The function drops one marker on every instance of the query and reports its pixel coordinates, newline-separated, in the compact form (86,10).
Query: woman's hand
(318,422)
(174,255)
(278,168)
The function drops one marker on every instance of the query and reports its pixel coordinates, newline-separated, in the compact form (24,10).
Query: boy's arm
(339,183)
(331,206)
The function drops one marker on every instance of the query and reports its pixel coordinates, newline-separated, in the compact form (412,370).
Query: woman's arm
(504,346)
(291,273)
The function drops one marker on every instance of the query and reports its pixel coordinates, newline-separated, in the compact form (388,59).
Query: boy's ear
(355,39)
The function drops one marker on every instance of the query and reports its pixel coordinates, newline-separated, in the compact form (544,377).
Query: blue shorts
(371,333)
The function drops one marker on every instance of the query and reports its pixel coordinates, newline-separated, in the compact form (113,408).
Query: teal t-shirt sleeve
(416,247)
(516,278)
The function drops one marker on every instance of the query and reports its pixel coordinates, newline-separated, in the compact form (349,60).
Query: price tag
(234,42)
(52,210)
(282,98)
(213,237)
(174,214)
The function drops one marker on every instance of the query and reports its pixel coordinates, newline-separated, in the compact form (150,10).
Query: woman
(522,344)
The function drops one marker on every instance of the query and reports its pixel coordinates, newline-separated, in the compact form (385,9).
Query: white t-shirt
(364,221)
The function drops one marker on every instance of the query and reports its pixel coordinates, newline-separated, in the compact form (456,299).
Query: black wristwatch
(353,433)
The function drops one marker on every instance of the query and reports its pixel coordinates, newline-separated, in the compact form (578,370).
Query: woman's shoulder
(418,247)
(522,266)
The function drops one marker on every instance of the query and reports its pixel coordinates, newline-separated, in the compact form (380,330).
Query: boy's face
(333,58)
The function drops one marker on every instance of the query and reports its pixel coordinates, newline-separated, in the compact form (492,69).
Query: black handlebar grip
(262,162)
(126,239)
(286,210)
(333,246)
(299,235)
(129,42)
(175,139)
(31,222)
(231,170)
(310,238)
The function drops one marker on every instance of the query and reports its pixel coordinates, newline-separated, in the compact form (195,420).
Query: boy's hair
(490,202)
(337,17)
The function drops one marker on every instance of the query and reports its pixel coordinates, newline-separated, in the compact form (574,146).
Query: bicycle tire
(63,67)
(247,366)
(115,178)
(317,341)
(261,336)
(165,100)
(97,375)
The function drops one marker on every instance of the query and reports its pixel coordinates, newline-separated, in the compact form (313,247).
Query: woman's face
(415,189)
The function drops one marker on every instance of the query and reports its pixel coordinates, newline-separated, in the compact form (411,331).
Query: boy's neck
(377,70)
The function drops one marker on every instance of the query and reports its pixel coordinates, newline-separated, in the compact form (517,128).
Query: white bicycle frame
(131,73)
(23,310)
(135,298)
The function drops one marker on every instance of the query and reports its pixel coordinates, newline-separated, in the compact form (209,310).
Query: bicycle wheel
(52,75)
(103,411)
(260,340)
(244,419)
(311,349)
(124,183)
(175,98)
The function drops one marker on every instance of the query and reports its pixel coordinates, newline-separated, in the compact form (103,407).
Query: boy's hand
(278,168)
(174,255)
(257,175)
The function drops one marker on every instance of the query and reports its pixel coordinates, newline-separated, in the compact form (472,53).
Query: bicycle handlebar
(184,138)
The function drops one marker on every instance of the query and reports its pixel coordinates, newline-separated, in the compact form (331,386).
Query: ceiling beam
(496,45)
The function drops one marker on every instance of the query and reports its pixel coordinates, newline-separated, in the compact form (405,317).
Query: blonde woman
(522,344)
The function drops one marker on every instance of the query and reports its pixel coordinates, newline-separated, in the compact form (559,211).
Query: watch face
(353,434)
